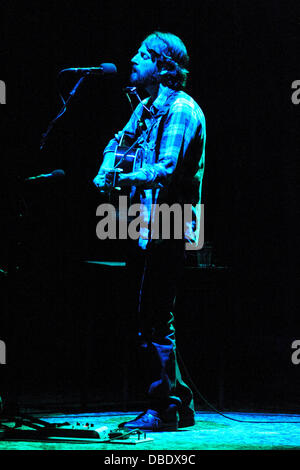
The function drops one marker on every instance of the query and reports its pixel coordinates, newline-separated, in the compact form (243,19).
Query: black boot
(153,420)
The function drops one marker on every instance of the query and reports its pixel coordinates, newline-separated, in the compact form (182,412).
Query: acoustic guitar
(126,160)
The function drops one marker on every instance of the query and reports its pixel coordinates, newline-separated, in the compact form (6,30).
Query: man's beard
(139,80)
(134,78)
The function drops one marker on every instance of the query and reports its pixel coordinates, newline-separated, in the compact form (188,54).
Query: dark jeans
(153,276)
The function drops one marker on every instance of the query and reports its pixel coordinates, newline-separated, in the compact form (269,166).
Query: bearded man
(169,129)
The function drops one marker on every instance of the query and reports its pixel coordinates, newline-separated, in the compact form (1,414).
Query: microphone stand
(62,111)
(11,408)
(14,285)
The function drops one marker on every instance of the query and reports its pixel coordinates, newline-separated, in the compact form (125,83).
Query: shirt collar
(161,100)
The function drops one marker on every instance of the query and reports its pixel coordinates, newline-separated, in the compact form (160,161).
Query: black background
(235,328)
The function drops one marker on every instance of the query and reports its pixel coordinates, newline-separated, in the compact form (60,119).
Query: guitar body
(127,160)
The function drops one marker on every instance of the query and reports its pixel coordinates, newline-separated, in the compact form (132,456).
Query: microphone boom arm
(61,112)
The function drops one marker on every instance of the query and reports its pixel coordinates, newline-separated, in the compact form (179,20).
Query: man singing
(169,129)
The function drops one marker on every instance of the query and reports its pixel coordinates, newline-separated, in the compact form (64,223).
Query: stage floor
(211,432)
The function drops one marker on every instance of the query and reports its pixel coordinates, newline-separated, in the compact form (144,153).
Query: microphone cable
(219,412)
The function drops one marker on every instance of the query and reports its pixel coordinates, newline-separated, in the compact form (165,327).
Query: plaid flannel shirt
(171,133)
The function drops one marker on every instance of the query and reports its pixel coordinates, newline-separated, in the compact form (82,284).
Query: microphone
(56,174)
(103,69)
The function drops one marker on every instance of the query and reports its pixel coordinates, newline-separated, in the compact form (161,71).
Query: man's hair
(172,58)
